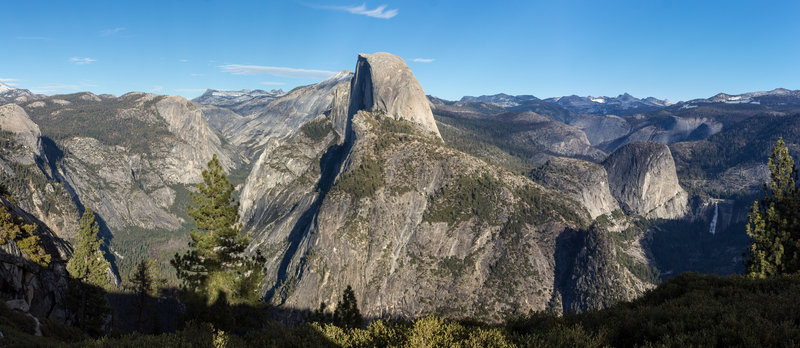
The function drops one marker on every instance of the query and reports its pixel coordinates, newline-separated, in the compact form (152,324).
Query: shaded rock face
(642,178)
(27,286)
(383,82)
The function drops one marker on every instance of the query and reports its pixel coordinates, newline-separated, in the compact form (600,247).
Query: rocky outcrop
(537,131)
(583,181)
(26,133)
(182,161)
(601,128)
(642,178)
(31,288)
(384,83)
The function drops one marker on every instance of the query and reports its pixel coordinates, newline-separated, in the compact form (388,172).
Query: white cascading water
(713,228)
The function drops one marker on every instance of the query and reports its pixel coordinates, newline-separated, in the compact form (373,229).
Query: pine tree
(347,314)
(217,262)
(773,221)
(89,270)
(88,263)
(143,284)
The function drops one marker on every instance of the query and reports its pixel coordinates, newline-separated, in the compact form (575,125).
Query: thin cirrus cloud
(378,12)
(9,81)
(109,32)
(238,69)
(37,38)
(424,60)
(272,83)
(53,88)
(81,61)
(190,90)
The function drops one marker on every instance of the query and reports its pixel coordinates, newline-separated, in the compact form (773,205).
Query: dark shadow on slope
(568,245)
(331,164)
(54,155)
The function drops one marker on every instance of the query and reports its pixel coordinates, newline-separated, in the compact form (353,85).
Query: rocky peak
(642,178)
(384,83)
(9,94)
(14,119)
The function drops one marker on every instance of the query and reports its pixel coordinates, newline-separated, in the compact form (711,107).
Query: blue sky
(667,49)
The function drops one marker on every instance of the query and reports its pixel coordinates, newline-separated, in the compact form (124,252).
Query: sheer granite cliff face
(643,179)
(383,82)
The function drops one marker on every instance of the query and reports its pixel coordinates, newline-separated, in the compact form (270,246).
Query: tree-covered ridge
(112,121)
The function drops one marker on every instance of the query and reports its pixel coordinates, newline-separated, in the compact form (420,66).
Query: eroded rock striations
(643,179)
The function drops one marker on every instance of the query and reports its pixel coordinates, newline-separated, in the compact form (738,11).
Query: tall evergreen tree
(88,263)
(143,284)
(347,314)
(773,222)
(217,262)
(89,270)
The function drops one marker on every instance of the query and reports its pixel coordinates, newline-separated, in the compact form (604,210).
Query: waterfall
(713,228)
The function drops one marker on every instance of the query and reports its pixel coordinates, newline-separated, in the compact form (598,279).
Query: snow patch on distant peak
(598,100)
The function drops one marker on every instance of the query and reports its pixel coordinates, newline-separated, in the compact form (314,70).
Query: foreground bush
(688,310)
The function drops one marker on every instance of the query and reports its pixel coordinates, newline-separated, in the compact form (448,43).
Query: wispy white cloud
(378,12)
(238,69)
(183,60)
(54,88)
(157,89)
(109,32)
(424,60)
(9,81)
(190,90)
(81,61)
(272,83)
(39,38)
(197,75)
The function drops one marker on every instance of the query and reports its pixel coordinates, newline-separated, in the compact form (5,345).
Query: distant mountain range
(626,104)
